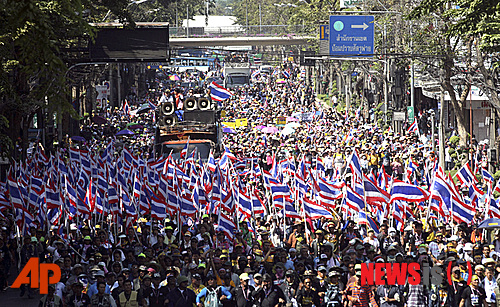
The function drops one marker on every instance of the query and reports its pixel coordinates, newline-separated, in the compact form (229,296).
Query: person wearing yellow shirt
(373,160)
(196,285)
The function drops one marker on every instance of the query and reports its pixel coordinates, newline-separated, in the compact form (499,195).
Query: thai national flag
(291,212)
(219,93)
(152,106)
(125,108)
(373,194)
(494,210)
(355,165)
(286,74)
(257,61)
(353,200)
(211,162)
(328,192)
(245,204)
(315,211)
(413,127)
(487,177)
(407,192)
(364,219)
(226,225)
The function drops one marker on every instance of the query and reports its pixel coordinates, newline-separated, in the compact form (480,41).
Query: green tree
(462,36)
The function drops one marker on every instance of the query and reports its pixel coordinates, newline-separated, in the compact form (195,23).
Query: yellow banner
(230,124)
(241,122)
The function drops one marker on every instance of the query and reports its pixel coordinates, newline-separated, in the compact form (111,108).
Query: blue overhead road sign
(352,35)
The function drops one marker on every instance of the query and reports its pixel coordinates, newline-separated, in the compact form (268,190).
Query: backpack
(212,298)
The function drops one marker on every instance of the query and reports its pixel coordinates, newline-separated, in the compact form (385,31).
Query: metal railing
(236,30)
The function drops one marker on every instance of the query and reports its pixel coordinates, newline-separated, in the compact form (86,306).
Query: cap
(488,260)
(196,276)
(99,273)
(87,238)
(391,229)
(182,279)
(34,239)
(452,238)
(156,275)
(333,274)
(244,276)
(422,250)
(258,275)
(289,273)
(322,268)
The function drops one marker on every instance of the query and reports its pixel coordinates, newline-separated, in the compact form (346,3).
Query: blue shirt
(204,291)
(93,290)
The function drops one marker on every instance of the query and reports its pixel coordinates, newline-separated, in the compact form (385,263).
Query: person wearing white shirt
(490,284)
(372,240)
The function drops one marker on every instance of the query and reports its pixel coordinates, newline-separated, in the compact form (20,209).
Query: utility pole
(260,18)
(187,21)
(441,131)
(433,115)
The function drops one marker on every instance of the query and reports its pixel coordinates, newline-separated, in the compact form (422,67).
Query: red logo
(400,273)
(39,275)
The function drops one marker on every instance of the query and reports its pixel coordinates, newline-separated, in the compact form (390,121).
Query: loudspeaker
(190,104)
(167,120)
(204,104)
(199,116)
(167,108)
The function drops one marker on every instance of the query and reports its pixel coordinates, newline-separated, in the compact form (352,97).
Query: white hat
(453,238)
(391,229)
(468,247)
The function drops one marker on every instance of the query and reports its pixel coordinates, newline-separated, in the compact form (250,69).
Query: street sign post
(352,35)
(324,41)
(411,114)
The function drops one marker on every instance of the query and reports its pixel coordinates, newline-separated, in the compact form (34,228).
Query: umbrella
(99,120)
(174,78)
(144,108)
(125,132)
(291,119)
(292,125)
(489,223)
(287,130)
(133,127)
(78,138)
(228,130)
(260,127)
(270,130)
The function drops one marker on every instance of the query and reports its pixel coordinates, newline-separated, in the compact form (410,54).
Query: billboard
(140,44)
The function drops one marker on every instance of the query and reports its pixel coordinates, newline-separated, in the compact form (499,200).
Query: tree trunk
(458,104)
(489,87)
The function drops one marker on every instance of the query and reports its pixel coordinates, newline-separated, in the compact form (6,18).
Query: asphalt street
(11,298)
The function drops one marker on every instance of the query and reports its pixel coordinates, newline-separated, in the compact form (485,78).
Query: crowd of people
(270,257)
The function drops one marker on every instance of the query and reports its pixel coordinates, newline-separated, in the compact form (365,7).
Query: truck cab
(236,74)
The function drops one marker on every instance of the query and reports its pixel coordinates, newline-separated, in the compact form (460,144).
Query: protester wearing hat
(243,294)
(357,294)
(269,294)
(100,277)
(196,284)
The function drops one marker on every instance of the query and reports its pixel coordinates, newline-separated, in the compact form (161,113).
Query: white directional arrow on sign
(364,26)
